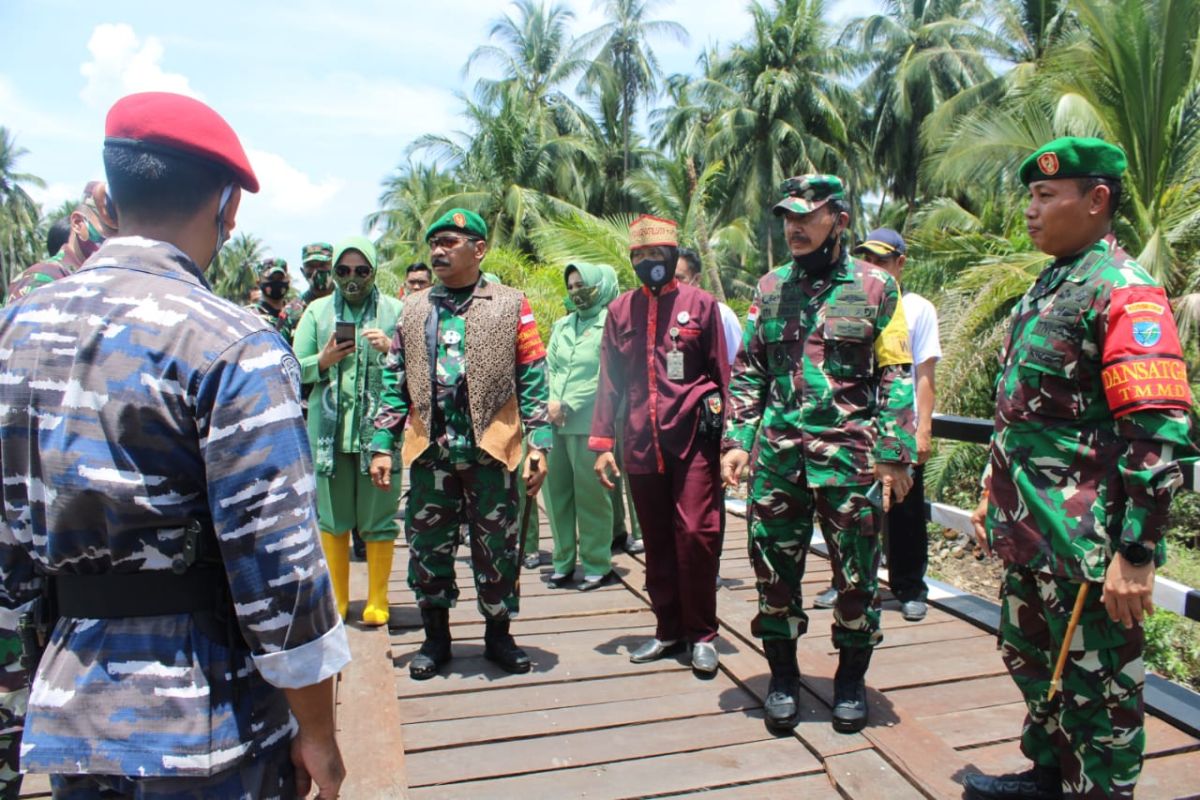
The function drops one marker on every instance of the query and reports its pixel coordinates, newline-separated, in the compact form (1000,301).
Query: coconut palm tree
(535,52)
(922,53)
(622,45)
(19,214)
(780,108)
(236,268)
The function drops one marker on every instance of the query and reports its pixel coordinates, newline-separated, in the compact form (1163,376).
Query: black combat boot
(499,648)
(783,694)
(1039,783)
(435,650)
(850,689)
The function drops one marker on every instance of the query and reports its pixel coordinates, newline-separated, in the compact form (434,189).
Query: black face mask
(274,290)
(820,259)
(657,274)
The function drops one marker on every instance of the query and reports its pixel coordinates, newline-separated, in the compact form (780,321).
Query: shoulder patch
(1143,365)
(291,368)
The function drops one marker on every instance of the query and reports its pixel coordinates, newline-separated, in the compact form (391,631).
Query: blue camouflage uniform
(133,402)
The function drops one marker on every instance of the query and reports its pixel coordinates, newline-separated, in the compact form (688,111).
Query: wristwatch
(1136,553)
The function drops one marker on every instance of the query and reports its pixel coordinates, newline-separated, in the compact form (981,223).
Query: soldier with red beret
(157,488)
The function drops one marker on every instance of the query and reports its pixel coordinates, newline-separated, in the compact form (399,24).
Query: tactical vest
(491,346)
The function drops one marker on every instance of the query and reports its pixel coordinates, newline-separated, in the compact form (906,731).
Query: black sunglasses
(362,271)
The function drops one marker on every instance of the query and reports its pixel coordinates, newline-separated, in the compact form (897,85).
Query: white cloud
(123,63)
(286,188)
(25,121)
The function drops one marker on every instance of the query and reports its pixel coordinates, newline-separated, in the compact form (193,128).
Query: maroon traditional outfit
(665,353)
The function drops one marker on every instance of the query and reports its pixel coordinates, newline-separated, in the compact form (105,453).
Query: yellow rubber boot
(337,556)
(379,570)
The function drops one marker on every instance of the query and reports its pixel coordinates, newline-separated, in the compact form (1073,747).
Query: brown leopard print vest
(491,346)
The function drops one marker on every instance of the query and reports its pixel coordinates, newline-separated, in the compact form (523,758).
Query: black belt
(141,594)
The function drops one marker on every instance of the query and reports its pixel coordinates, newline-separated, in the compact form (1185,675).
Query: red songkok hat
(174,123)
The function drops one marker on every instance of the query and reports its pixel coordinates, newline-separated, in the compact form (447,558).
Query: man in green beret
(317,266)
(822,394)
(274,283)
(1091,417)
(467,374)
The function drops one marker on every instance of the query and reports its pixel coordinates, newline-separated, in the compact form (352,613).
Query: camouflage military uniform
(454,477)
(821,390)
(313,256)
(1089,421)
(158,407)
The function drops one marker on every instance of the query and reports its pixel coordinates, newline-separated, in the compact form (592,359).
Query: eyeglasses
(448,242)
(362,270)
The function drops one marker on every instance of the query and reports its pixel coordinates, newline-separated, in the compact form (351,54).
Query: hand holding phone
(343,332)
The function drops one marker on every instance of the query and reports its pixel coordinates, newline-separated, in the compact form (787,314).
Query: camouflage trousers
(781,528)
(1092,730)
(271,776)
(14,697)
(442,497)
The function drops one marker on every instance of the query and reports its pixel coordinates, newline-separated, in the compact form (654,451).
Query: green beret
(1074,157)
(269,265)
(461,220)
(806,193)
(317,251)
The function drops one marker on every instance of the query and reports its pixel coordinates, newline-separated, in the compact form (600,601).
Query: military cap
(270,265)
(461,220)
(806,193)
(178,125)
(1074,157)
(317,251)
(648,231)
(883,242)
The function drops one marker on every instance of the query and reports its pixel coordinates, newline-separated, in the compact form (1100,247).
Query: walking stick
(1066,645)
(529,501)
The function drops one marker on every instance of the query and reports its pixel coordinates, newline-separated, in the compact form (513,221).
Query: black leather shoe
(634,546)
(850,689)
(500,649)
(782,705)
(435,650)
(1038,783)
(826,599)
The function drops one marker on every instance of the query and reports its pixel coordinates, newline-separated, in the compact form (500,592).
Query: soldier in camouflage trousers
(1091,417)
(316,262)
(466,374)
(273,283)
(821,395)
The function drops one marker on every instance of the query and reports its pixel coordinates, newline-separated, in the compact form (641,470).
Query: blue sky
(325,97)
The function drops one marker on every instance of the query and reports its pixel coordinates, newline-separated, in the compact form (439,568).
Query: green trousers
(581,511)
(622,499)
(1093,728)
(350,500)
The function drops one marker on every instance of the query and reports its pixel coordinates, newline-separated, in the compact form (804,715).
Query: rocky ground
(952,560)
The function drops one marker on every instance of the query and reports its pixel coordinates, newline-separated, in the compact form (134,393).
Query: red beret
(179,124)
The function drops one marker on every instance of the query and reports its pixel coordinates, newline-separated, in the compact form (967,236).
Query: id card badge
(675,365)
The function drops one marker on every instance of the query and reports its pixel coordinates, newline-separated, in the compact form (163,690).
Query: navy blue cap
(883,242)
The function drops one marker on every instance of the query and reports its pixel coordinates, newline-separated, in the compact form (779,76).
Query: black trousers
(908,542)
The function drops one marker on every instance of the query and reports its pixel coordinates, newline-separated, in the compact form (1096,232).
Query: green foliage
(236,270)
(1173,647)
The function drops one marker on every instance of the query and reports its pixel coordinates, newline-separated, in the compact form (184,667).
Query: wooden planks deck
(587,723)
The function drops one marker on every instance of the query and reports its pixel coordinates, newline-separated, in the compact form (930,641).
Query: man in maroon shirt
(664,351)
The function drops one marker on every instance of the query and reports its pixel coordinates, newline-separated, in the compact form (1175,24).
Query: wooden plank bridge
(586,723)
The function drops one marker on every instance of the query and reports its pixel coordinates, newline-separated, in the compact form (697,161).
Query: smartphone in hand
(343,332)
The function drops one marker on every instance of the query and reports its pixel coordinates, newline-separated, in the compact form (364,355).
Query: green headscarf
(354,289)
(599,289)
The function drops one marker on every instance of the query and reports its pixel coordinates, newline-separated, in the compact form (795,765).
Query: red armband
(529,341)
(1142,361)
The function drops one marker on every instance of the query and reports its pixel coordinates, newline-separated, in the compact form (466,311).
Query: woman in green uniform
(342,343)
(581,512)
